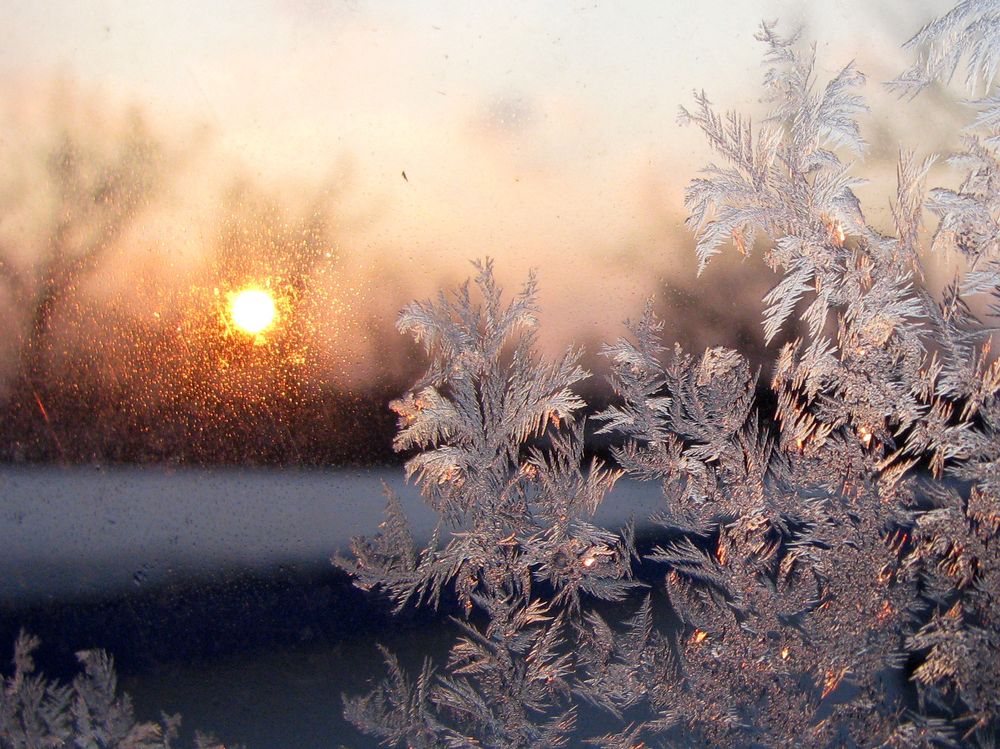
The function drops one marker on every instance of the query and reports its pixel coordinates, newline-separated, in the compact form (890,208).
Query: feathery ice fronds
(956,543)
(617,670)
(838,272)
(390,560)
(787,179)
(500,458)
(512,511)
(905,379)
(485,394)
(807,564)
(506,687)
(769,558)
(957,556)
(968,217)
(88,713)
(398,711)
(688,423)
(510,683)
(969,32)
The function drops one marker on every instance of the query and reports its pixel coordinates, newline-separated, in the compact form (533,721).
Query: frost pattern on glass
(87,713)
(810,559)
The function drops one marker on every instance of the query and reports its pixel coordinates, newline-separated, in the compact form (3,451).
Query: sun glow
(252,310)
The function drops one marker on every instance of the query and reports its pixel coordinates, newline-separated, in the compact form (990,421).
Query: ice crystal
(825,575)
(815,560)
(88,713)
(512,513)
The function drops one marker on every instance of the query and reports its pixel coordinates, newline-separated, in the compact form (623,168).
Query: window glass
(210,219)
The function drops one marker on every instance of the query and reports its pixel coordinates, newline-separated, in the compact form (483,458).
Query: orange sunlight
(252,310)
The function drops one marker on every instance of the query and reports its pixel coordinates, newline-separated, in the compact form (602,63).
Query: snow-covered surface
(80,532)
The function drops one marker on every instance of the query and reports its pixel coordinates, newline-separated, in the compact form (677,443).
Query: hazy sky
(542,133)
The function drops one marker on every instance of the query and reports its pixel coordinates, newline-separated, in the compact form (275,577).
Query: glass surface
(210,216)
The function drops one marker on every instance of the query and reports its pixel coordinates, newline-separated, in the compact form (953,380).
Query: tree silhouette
(98,173)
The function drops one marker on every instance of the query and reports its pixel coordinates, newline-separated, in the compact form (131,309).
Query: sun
(252,310)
